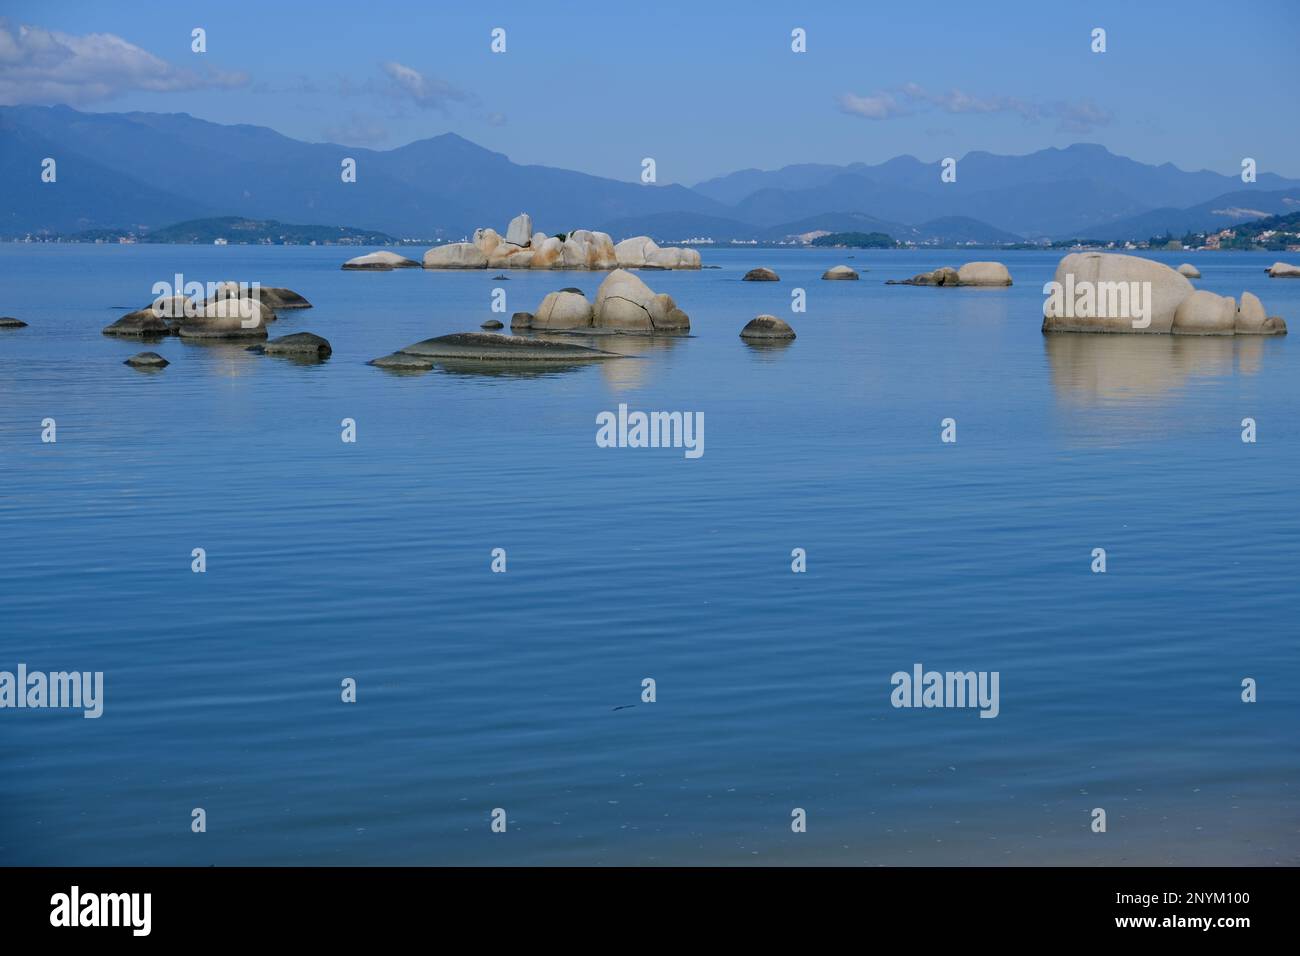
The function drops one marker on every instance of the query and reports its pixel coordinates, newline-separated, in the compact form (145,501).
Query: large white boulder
(1204,313)
(563,310)
(983,273)
(381,261)
(674,258)
(633,253)
(1284,270)
(456,255)
(625,303)
(1107,280)
(520,230)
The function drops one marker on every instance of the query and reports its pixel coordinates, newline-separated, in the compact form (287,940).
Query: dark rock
(485,347)
(147,360)
(767,327)
(305,344)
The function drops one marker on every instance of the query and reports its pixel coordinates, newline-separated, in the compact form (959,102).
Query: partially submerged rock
(9,322)
(521,320)
(625,303)
(228,319)
(760,275)
(945,275)
(563,310)
(147,360)
(487,347)
(1252,319)
(1284,270)
(492,324)
(1189,270)
(142,323)
(839,272)
(971,274)
(381,262)
(302,344)
(767,327)
(1205,313)
(983,274)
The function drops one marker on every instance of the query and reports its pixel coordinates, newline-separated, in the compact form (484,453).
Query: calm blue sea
(477,690)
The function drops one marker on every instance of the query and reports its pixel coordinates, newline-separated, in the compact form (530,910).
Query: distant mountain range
(144,171)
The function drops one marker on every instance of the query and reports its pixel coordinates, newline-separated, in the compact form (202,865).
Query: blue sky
(703,88)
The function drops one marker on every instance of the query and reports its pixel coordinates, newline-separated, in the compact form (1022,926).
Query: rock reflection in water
(1096,369)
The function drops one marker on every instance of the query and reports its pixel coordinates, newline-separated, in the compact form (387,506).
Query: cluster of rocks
(1283,270)
(232,312)
(623,304)
(486,347)
(1174,305)
(763,274)
(971,274)
(523,248)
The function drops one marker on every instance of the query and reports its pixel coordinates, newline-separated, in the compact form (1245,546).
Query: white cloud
(428,92)
(877,107)
(40,66)
(1076,117)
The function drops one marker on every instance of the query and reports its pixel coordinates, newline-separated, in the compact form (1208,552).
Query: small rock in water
(521,320)
(9,322)
(492,324)
(839,272)
(761,275)
(767,327)
(147,360)
(381,262)
(501,278)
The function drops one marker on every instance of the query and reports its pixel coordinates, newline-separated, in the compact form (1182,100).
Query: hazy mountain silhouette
(148,170)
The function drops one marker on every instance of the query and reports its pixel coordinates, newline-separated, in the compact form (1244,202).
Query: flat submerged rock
(488,347)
